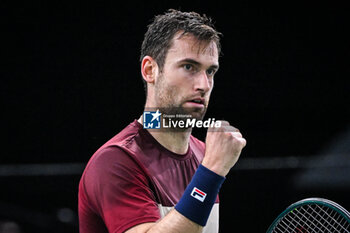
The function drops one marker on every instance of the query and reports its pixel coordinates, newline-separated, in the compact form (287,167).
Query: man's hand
(223,148)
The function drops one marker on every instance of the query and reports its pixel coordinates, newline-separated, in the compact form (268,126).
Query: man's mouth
(199,102)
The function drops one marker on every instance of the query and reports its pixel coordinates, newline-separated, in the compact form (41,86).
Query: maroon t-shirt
(132,179)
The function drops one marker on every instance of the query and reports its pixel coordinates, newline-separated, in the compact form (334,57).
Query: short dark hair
(161,31)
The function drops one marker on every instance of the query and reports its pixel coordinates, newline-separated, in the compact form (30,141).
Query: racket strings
(333,219)
(297,221)
(312,218)
(321,218)
(291,223)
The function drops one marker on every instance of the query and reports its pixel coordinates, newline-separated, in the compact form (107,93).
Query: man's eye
(211,72)
(188,67)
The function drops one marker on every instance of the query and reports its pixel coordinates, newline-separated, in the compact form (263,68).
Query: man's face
(185,84)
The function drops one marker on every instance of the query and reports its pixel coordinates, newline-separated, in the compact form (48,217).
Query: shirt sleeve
(118,190)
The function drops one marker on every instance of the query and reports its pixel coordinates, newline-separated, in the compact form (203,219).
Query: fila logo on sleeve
(198,194)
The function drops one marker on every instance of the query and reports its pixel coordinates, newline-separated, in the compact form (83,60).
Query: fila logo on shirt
(198,194)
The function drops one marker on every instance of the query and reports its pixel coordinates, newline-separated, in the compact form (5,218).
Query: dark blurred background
(70,80)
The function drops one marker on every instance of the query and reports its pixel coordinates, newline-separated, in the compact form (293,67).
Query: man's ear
(149,69)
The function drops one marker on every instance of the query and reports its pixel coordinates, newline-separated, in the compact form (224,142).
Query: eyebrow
(194,62)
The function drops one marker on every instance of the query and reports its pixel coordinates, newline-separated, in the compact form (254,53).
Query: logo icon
(198,194)
(151,119)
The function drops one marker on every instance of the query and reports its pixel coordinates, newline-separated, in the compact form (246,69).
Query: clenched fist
(223,148)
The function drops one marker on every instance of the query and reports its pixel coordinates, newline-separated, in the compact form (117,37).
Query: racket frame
(309,201)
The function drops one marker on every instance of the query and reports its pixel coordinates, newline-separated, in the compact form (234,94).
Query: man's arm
(172,222)
(223,147)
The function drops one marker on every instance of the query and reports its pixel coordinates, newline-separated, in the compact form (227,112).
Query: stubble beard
(169,104)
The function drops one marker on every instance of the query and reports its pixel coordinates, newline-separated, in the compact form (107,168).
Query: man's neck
(174,141)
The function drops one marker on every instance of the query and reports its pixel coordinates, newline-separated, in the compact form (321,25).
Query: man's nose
(202,83)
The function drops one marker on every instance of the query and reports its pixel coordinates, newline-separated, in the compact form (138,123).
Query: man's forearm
(173,222)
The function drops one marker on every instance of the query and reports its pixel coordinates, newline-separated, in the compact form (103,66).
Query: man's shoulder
(114,159)
(196,142)
(115,150)
(198,148)
(124,136)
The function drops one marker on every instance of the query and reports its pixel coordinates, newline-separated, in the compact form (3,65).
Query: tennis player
(164,180)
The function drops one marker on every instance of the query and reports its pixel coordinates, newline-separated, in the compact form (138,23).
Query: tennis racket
(312,215)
